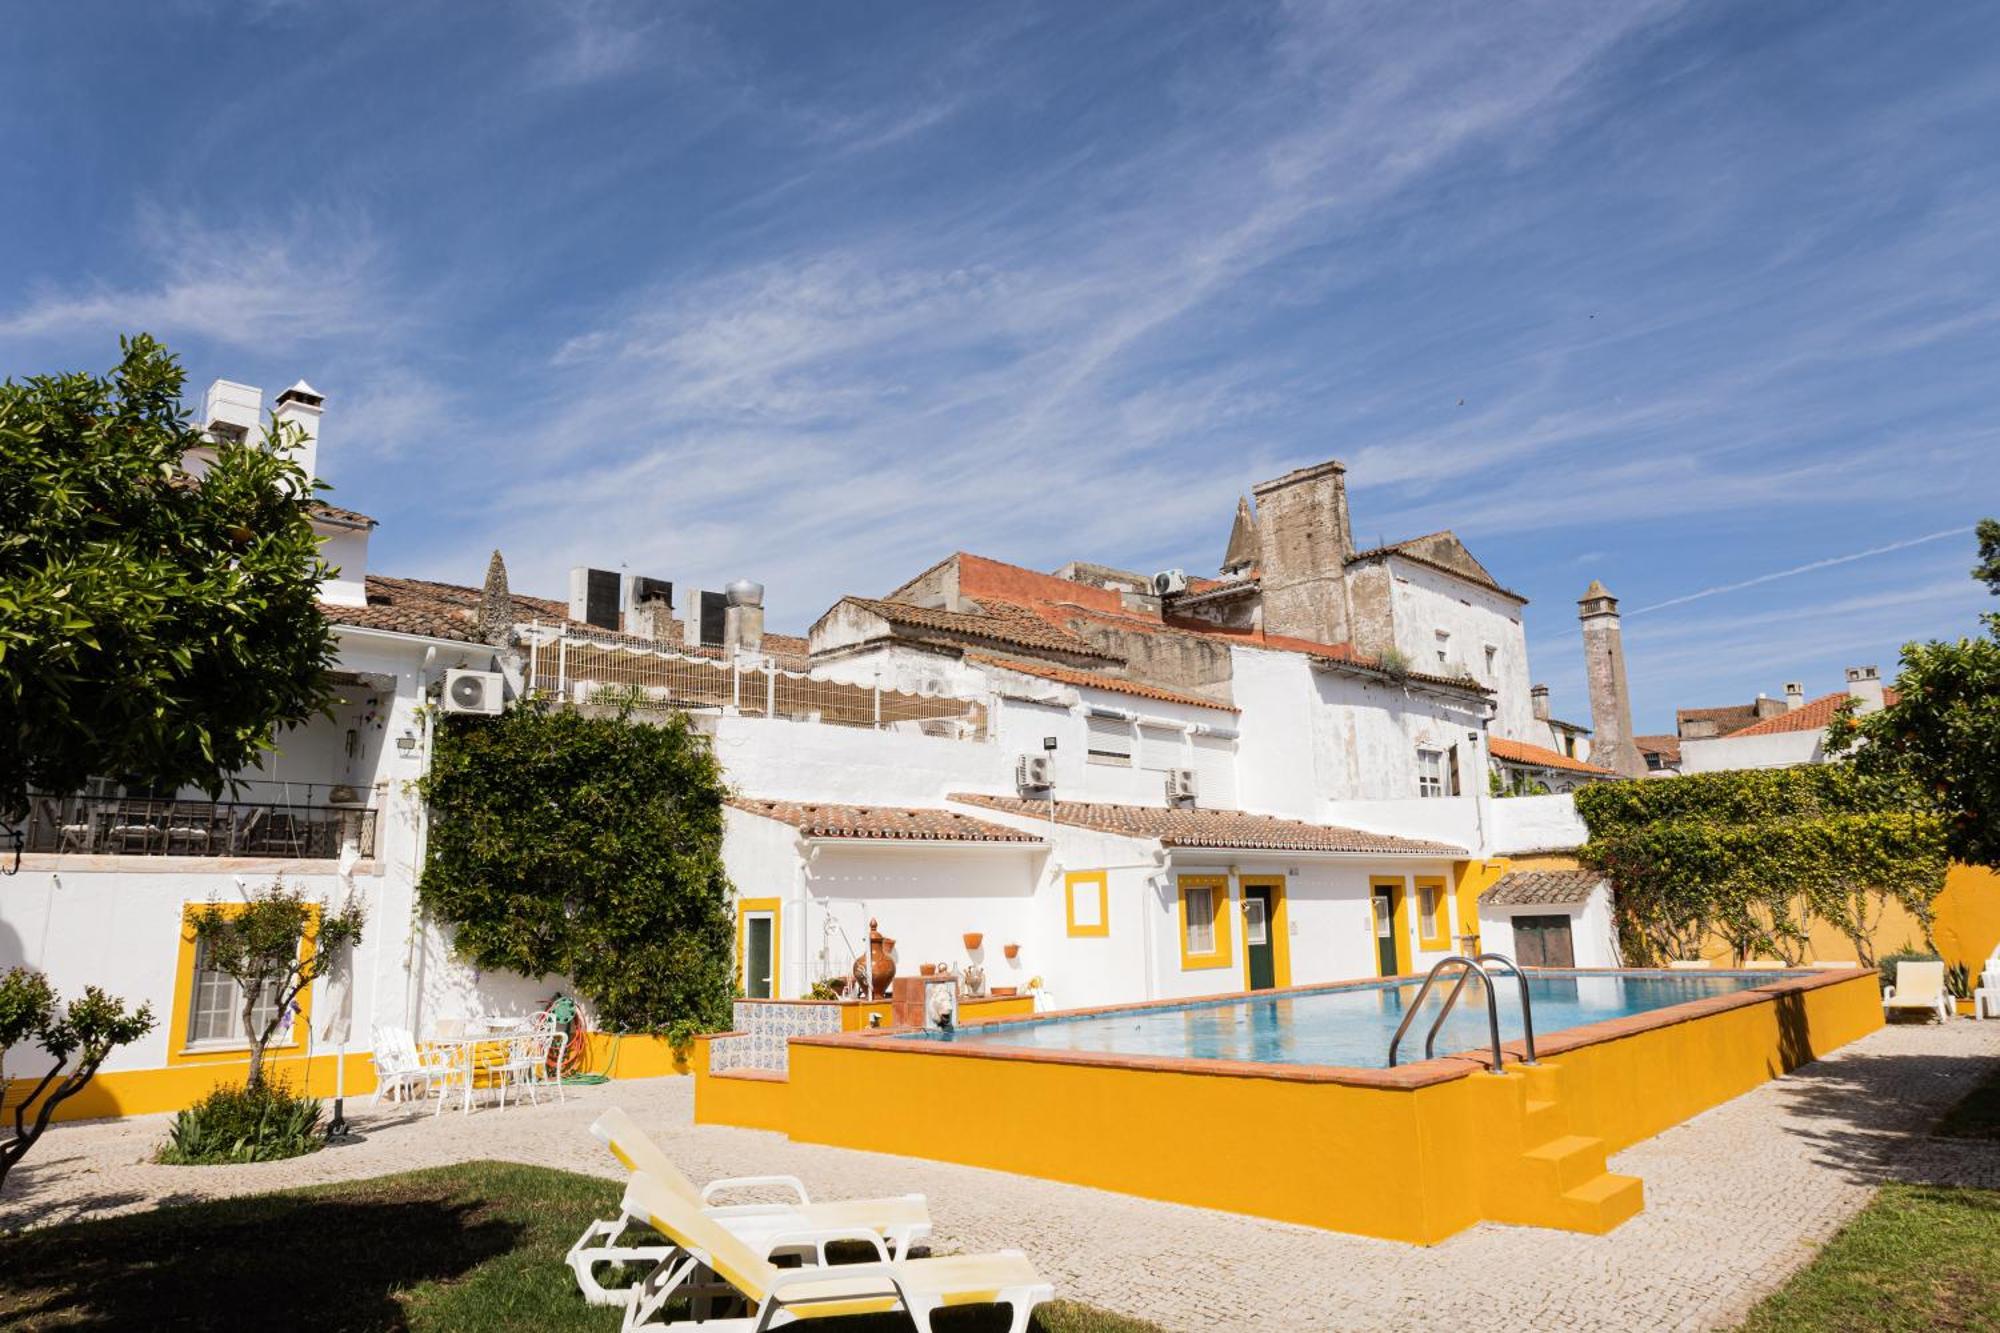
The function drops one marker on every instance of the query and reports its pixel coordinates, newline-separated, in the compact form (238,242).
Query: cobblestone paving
(1736,1199)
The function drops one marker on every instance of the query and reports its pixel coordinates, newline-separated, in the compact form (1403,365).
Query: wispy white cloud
(265,287)
(1796,570)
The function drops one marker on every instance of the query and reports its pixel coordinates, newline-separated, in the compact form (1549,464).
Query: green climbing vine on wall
(1754,858)
(588,847)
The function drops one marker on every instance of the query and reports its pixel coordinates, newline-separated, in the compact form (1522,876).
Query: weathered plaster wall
(1426,601)
(1782,749)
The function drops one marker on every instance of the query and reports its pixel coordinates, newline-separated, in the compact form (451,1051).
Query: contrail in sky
(1803,569)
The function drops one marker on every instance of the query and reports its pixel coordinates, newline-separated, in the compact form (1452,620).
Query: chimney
(1795,695)
(300,406)
(1303,544)
(1865,684)
(228,412)
(650,612)
(1604,669)
(743,619)
(1538,697)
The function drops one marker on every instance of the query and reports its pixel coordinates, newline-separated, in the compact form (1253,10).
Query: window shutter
(1160,748)
(1451,785)
(1215,771)
(1109,740)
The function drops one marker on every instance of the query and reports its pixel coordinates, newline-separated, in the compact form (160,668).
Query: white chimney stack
(1865,684)
(1795,695)
(301,406)
(229,411)
(1538,698)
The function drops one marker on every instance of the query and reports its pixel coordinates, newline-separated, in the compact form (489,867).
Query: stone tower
(1604,670)
(1303,543)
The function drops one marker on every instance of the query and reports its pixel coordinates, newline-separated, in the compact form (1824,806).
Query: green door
(757,955)
(1385,930)
(1257,945)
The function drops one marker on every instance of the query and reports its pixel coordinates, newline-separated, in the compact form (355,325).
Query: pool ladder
(1467,968)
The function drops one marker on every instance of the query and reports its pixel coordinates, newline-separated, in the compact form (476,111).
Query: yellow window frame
(1441,938)
(179,1052)
(745,908)
(1220,955)
(1077,882)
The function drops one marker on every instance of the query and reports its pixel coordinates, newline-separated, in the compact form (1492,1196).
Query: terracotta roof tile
(346,518)
(882,823)
(1091,680)
(1221,829)
(1001,623)
(1667,747)
(1813,716)
(1518,888)
(1520,752)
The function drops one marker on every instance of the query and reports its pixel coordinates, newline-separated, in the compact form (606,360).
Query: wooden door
(1543,941)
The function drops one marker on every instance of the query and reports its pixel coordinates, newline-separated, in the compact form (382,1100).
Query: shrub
(266,1123)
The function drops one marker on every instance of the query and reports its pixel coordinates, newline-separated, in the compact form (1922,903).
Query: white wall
(1783,749)
(1456,820)
(346,549)
(1534,824)
(1593,934)
(1022,725)
(779,759)
(1427,601)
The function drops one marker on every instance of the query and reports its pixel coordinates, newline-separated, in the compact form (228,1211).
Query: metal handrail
(1527,1013)
(1467,968)
(1470,966)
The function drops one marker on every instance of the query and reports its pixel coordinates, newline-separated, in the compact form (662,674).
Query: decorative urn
(875,970)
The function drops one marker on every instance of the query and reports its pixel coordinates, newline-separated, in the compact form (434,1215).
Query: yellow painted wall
(1413,1165)
(147,1091)
(1965,926)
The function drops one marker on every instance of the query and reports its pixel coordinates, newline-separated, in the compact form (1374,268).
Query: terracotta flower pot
(973,939)
(1012,950)
(927,969)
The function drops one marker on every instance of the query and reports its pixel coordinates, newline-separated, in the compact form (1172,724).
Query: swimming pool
(1350,1026)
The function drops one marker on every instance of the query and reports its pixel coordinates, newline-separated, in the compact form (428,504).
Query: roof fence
(582,668)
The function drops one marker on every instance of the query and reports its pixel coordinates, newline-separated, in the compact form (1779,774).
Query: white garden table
(464,1052)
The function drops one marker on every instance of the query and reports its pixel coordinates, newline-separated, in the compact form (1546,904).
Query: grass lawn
(476,1246)
(1918,1257)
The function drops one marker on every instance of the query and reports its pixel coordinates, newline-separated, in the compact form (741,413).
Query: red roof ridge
(1521,752)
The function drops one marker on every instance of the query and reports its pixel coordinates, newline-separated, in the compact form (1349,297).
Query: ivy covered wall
(588,847)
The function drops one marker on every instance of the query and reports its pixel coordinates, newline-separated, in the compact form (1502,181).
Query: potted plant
(1011,950)
(973,939)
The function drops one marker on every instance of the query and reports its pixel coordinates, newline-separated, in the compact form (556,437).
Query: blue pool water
(1352,1027)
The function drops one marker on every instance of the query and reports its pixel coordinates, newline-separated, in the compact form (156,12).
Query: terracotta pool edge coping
(1417,1074)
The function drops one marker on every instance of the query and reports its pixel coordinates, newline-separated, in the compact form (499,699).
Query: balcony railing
(307,823)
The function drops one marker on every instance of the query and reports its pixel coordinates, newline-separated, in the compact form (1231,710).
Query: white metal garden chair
(399,1070)
(531,1053)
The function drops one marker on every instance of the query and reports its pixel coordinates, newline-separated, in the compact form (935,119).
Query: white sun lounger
(706,1251)
(901,1221)
(1919,988)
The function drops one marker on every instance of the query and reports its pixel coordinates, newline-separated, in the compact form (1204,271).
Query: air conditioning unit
(1169,581)
(1034,772)
(1182,784)
(473,692)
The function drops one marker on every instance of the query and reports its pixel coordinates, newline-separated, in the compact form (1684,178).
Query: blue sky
(1675,296)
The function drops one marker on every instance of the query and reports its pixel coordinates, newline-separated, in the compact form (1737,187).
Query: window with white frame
(1430,772)
(215,1006)
(1108,741)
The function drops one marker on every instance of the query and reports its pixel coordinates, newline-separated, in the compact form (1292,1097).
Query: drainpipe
(413,945)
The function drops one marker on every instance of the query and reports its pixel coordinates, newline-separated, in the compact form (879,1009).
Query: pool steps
(1551,1177)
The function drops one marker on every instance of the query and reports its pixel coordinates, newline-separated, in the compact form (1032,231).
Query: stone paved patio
(1735,1200)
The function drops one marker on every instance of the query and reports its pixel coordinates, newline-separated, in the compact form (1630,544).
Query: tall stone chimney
(301,406)
(496,605)
(1604,669)
(1303,542)
(1538,699)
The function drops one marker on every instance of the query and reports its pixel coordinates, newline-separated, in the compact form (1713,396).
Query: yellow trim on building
(1083,879)
(179,1052)
(1434,933)
(1399,922)
(1221,954)
(746,907)
(1281,937)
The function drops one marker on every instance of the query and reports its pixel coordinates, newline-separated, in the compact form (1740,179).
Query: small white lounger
(1919,988)
(901,1221)
(704,1251)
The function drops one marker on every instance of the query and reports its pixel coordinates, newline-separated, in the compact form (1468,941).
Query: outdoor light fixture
(1048,742)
